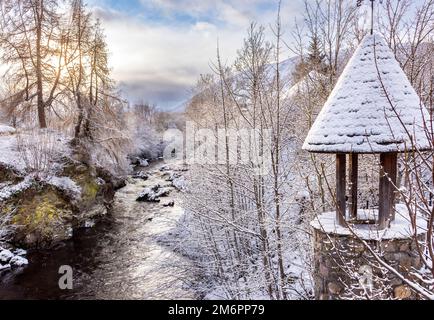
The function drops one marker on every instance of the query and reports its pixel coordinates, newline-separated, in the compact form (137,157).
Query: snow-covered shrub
(110,155)
(147,126)
(146,142)
(41,150)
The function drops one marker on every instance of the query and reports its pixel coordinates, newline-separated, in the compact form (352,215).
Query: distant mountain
(287,68)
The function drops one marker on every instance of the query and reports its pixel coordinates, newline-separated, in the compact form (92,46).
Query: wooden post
(386,209)
(340,188)
(393,173)
(354,168)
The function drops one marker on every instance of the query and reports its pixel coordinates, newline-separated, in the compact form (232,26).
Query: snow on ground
(65,184)
(9,154)
(8,191)
(4,130)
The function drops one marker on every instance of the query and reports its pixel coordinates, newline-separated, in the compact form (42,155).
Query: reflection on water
(117,259)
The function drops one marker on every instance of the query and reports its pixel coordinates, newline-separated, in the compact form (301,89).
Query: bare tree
(31,41)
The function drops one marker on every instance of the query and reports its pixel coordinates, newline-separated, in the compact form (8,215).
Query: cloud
(223,12)
(167,95)
(161,56)
(158,53)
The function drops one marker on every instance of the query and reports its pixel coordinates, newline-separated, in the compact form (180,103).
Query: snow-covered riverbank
(122,257)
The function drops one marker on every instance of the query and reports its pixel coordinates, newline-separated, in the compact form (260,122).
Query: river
(119,258)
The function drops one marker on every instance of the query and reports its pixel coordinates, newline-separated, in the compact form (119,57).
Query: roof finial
(372,17)
(359,4)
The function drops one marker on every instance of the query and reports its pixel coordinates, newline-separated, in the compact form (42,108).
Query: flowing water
(119,258)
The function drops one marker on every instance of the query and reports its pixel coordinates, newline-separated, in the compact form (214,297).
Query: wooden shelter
(373,109)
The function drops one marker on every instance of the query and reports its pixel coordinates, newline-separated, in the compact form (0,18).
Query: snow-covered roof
(372,109)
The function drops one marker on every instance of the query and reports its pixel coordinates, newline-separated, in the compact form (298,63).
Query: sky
(159,48)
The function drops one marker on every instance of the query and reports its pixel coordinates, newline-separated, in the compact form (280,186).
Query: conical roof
(372,109)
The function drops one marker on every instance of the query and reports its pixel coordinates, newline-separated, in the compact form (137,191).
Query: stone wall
(344,267)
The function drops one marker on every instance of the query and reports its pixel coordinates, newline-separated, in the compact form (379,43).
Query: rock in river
(148,195)
(153,194)
(169,204)
(18,261)
(141,175)
(5,256)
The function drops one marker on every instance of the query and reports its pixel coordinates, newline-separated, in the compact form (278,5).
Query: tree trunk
(40,98)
